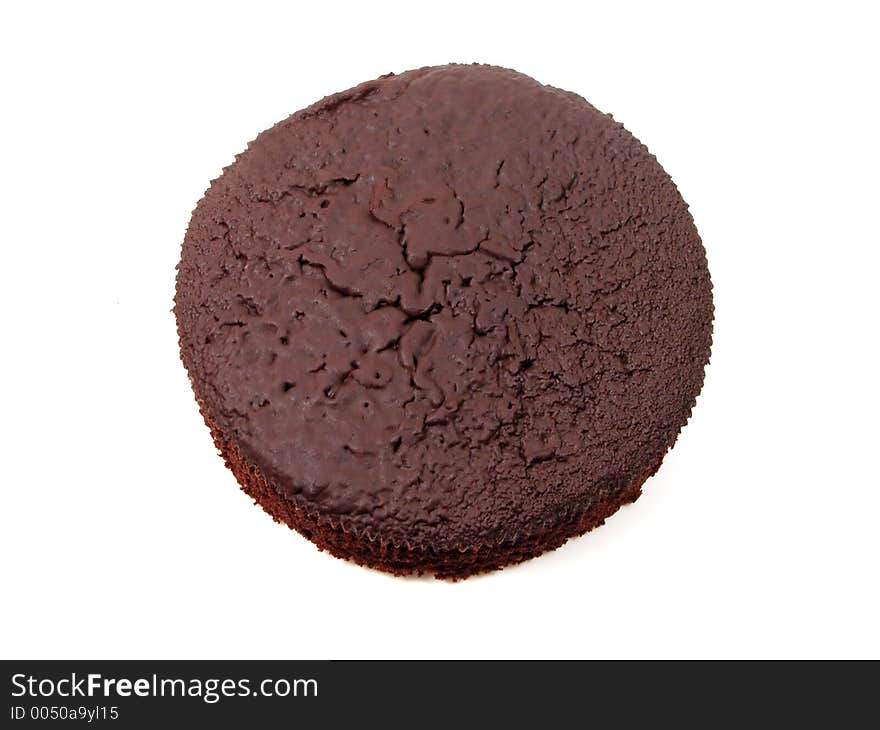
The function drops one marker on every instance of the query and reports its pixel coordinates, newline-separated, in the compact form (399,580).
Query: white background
(122,535)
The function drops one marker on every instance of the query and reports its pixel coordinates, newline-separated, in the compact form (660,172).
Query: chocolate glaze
(445,310)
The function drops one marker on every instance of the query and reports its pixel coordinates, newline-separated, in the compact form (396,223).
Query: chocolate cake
(445,320)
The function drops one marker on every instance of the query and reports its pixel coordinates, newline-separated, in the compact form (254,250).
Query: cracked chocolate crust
(448,313)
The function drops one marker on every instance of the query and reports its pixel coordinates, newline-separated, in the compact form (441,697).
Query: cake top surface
(446,308)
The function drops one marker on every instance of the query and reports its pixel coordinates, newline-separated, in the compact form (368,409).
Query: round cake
(444,321)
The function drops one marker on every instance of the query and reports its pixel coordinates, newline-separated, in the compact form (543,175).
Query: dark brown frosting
(446,308)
